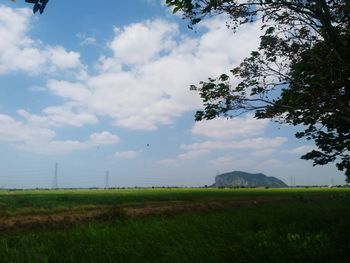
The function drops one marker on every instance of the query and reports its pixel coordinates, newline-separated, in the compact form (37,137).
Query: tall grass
(307,231)
(14,201)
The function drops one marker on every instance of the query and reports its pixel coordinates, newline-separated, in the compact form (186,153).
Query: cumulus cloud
(192,154)
(251,143)
(20,52)
(141,42)
(86,40)
(104,138)
(169,162)
(222,128)
(14,131)
(40,139)
(233,163)
(300,150)
(145,82)
(128,154)
(263,152)
(259,146)
(63,59)
(72,91)
(58,116)
(270,163)
(230,162)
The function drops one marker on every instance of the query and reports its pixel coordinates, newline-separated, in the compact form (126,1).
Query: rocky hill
(243,179)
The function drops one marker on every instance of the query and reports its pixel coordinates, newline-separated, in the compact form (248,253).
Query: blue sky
(91,85)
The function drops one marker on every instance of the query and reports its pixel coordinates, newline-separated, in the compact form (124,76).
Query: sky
(104,86)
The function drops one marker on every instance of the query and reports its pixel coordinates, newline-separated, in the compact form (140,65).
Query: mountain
(243,179)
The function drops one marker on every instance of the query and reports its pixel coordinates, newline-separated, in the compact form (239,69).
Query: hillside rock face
(243,179)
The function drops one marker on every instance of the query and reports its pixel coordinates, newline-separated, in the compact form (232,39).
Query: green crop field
(175,225)
(53,200)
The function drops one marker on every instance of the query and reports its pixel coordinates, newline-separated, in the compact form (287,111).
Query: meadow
(181,225)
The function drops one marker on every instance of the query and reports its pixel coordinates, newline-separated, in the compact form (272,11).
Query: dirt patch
(195,206)
(173,208)
(66,218)
(136,210)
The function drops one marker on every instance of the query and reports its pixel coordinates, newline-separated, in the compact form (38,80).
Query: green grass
(306,230)
(12,202)
(317,231)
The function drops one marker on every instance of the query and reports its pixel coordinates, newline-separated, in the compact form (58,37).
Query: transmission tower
(55,179)
(107,179)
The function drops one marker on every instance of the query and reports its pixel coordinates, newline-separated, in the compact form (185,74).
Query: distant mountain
(243,179)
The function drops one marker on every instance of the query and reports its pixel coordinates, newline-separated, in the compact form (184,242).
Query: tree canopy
(299,75)
(38,5)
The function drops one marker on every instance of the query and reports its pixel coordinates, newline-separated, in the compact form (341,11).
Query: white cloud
(66,115)
(145,83)
(55,147)
(14,131)
(33,137)
(222,160)
(141,42)
(60,116)
(20,52)
(169,162)
(300,150)
(258,146)
(153,91)
(246,164)
(270,163)
(128,154)
(263,152)
(253,143)
(63,59)
(104,138)
(230,162)
(142,85)
(192,154)
(86,40)
(72,91)
(222,128)
(186,156)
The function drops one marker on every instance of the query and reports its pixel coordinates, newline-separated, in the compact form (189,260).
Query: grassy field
(255,225)
(12,202)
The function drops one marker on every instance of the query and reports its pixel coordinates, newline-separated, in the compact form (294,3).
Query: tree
(39,5)
(300,74)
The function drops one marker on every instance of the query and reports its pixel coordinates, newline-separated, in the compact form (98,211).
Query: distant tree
(299,75)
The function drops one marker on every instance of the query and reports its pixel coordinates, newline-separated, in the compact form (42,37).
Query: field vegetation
(175,225)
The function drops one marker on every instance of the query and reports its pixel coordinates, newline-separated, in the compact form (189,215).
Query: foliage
(299,75)
(39,5)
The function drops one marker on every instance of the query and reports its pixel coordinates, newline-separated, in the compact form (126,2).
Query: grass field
(12,202)
(182,225)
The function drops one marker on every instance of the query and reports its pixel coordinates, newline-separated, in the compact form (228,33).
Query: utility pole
(107,179)
(55,179)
